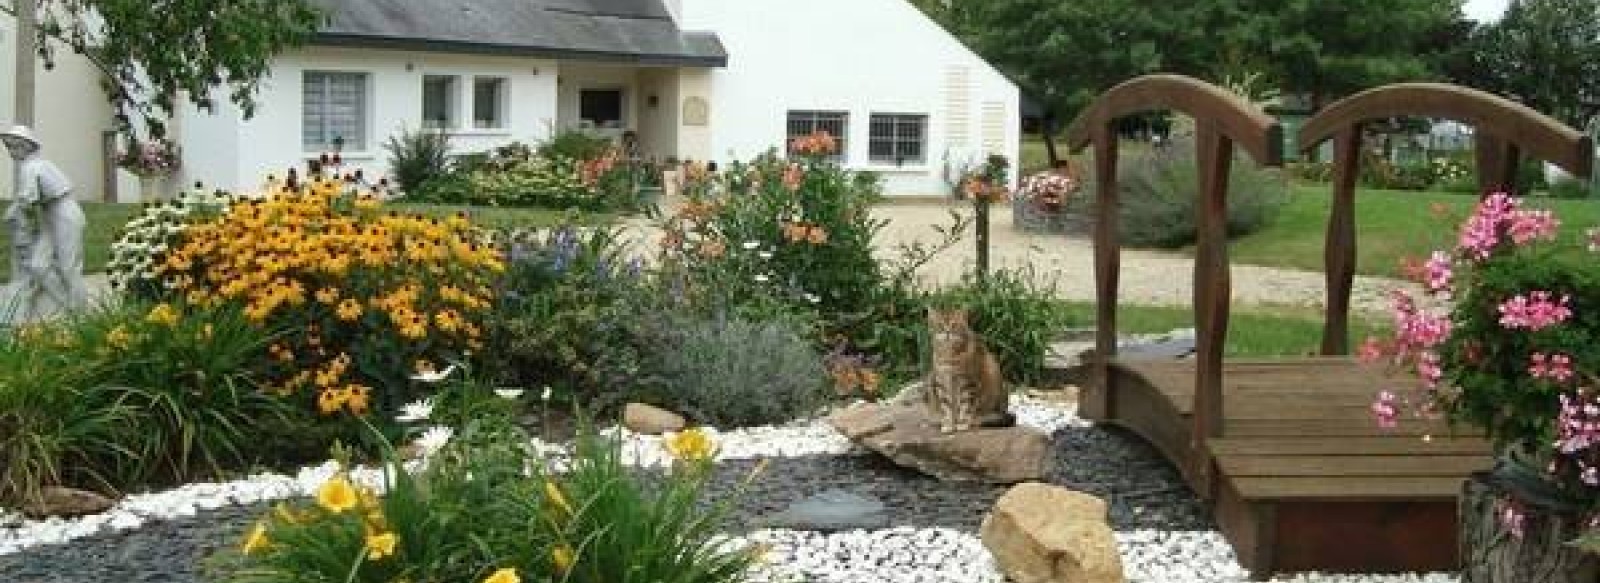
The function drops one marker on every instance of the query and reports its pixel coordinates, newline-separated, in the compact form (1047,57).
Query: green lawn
(1255,332)
(1390,226)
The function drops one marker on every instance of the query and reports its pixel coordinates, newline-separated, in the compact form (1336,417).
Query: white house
(710,80)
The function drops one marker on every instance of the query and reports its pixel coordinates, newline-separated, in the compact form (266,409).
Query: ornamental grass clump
(136,396)
(366,296)
(1518,355)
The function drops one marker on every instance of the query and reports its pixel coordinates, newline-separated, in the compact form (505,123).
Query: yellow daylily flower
(337,495)
(691,445)
(381,546)
(562,557)
(257,540)
(506,575)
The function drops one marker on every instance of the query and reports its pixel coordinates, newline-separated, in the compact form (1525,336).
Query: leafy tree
(1544,53)
(1321,48)
(152,52)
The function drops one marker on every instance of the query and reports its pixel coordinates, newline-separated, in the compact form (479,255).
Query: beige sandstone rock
(647,420)
(66,503)
(909,435)
(1040,533)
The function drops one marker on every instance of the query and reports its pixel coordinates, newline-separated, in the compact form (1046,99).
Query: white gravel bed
(922,555)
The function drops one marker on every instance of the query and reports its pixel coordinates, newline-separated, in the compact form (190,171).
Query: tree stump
(1491,553)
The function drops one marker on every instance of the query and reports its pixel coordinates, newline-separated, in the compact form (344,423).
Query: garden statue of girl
(46,227)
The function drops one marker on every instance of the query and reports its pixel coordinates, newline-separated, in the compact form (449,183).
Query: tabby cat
(965,388)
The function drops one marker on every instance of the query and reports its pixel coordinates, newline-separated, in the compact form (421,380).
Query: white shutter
(994,128)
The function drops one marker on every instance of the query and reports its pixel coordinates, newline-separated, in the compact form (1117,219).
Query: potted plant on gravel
(1040,205)
(1516,355)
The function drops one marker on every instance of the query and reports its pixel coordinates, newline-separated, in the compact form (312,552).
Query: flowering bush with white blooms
(144,239)
(1517,355)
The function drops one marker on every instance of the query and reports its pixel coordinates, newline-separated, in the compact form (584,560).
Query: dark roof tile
(640,31)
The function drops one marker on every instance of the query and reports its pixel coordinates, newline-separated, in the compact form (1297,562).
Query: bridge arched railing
(1504,131)
(1223,120)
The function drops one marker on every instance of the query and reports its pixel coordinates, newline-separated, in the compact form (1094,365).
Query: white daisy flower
(434,376)
(434,439)
(417,411)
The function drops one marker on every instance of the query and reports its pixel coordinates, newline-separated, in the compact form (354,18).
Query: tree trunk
(1491,553)
(982,228)
(1050,143)
(26,66)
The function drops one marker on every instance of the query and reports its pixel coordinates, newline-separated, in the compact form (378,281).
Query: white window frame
(896,142)
(502,101)
(799,123)
(452,105)
(310,140)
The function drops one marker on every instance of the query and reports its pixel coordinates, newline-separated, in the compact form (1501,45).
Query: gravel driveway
(1148,277)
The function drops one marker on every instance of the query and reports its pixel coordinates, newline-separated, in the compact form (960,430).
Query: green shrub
(1310,171)
(416,157)
(1571,189)
(575,145)
(1017,315)
(795,232)
(518,176)
(567,313)
(1158,197)
(737,373)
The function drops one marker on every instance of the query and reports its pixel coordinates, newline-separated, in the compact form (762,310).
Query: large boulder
(66,503)
(1040,533)
(908,434)
(647,420)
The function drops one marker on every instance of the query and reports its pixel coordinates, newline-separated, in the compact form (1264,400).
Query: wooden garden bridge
(1286,451)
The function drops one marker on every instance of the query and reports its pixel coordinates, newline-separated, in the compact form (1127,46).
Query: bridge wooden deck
(1302,478)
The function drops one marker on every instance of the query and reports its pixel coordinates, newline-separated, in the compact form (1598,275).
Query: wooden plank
(1332,428)
(1339,251)
(1404,536)
(1341,446)
(1107,270)
(1457,466)
(1538,134)
(1213,290)
(1349,489)
(1257,133)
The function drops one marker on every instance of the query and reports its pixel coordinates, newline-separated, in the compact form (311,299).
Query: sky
(1486,10)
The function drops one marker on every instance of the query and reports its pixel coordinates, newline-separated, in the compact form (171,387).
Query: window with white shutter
(334,111)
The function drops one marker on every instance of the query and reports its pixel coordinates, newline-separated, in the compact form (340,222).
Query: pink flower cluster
(1578,432)
(1437,274)
(1498,216)
(1416,331)
(1554,367)
(1534,311)
(1386,410)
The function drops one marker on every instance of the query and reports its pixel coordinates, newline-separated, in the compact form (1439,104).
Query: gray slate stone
(833,510)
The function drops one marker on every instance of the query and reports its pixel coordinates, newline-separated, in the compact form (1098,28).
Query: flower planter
(1029,217)
(1491,552)
(152,188)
